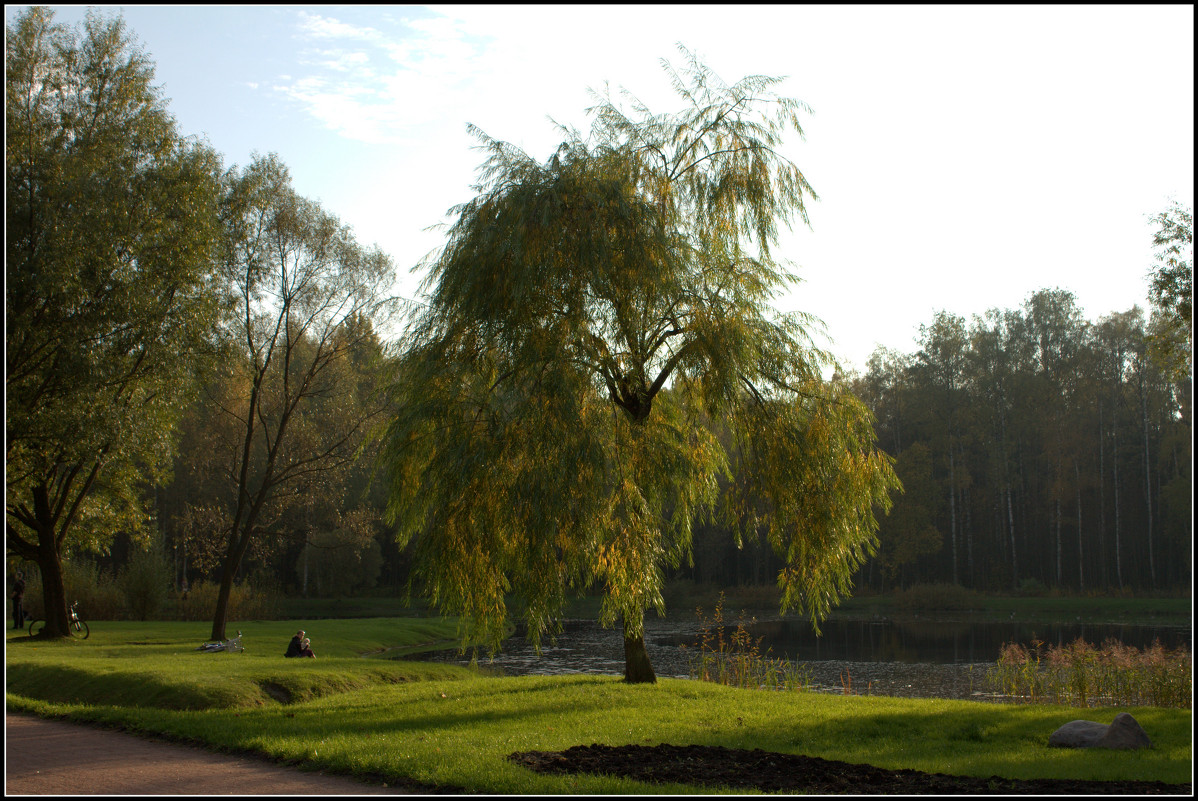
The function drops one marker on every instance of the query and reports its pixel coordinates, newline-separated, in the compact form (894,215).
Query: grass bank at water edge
(401,721)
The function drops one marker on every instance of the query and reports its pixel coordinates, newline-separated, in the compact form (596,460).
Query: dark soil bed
(766,771)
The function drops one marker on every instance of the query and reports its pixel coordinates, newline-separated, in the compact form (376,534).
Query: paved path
(104,762)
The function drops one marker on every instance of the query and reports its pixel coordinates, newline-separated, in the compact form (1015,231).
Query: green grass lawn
(440,724)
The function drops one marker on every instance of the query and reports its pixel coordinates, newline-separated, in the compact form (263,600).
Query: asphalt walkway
(51,757)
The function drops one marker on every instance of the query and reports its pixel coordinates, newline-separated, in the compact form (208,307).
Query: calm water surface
(917,658)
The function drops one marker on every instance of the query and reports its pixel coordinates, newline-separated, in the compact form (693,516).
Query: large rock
(1123,733)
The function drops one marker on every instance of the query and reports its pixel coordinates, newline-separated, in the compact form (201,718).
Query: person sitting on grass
(306,649)
(295,647)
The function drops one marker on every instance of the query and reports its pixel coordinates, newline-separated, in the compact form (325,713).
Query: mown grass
(156,664)
(398,721)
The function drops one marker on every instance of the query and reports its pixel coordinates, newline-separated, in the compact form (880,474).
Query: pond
(916,658)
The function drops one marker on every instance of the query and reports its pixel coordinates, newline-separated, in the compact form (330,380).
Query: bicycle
(231,646)
(76,626)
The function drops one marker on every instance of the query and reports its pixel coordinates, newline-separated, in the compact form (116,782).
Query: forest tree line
(205,376)
(1036,449)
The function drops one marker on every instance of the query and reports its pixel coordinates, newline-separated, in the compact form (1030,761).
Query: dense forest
(1036,449)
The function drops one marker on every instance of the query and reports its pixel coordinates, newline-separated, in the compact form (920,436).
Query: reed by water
(736,659)
(1079,674)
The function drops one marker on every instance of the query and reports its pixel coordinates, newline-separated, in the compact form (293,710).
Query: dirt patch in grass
(717,766)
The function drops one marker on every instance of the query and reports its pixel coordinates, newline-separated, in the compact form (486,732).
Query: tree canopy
(302,298)
(590,318)
(110,218)
(1069,461)
(1172,290)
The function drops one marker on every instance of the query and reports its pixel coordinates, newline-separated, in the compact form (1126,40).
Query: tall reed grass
(735,659)
(1078,674)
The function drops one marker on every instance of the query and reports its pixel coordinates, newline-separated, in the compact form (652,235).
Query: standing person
(18,595)
(295,647)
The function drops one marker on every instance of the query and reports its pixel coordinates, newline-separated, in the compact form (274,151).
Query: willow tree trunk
(637,668)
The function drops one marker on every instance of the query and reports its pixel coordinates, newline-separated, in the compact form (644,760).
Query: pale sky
(965,157)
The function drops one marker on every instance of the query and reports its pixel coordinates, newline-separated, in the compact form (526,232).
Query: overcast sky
(965,157)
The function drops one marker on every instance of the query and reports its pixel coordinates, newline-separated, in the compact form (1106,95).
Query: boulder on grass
(1123,733)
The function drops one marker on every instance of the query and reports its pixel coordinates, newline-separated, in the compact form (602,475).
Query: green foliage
(146,582)
(294,399)
(1032,587)
(1172,289)
(110,241)
(244,603)
(592,319)
(1040,446)
(936,597)
(339,562)
(99,596)
(910,531)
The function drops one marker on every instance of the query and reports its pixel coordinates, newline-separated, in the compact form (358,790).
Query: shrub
(1032,587)
(686,594)
(936,597)
(84,581)
(146,583)
(244,603)
(98,596)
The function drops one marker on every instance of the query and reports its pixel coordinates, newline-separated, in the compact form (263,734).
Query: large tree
(587,316)
(303,294)
(110,243)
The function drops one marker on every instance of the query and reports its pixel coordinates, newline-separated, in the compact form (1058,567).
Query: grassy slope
(445,725)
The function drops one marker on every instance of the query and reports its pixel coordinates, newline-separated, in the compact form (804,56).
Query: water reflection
(944,642)
(918,658)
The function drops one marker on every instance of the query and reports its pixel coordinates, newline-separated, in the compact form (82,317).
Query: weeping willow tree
(589,318)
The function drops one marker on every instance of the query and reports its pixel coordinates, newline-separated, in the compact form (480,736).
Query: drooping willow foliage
(594,321)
